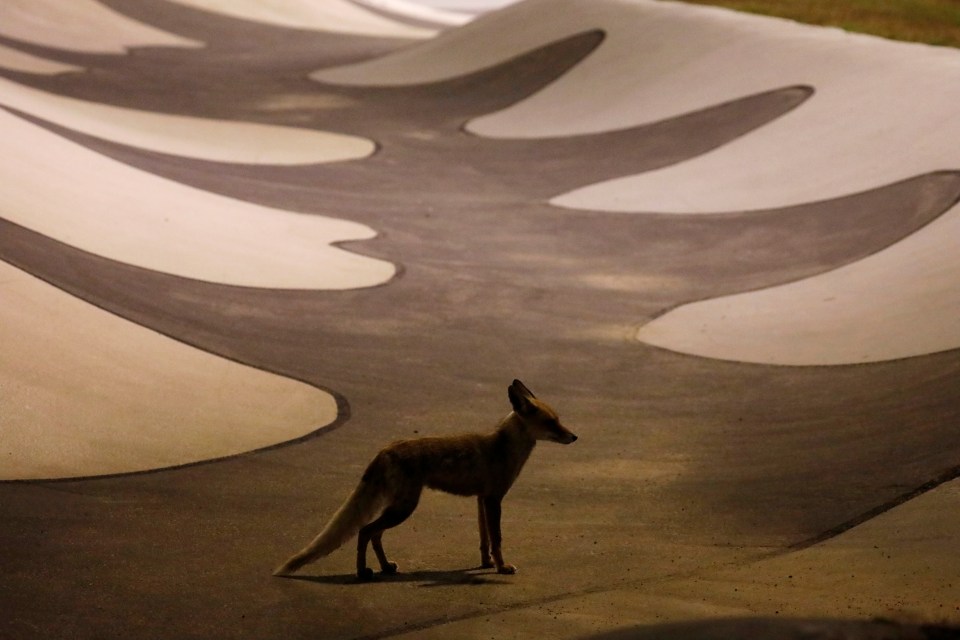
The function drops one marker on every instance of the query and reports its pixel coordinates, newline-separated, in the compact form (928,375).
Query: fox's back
(455,464)
(471,464)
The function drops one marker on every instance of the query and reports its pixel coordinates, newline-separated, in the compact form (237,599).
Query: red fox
(482,465)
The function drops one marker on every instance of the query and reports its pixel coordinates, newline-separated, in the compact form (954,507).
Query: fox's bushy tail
(363,505)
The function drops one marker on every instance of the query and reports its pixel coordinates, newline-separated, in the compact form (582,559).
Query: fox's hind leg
(385,565)
(373,532)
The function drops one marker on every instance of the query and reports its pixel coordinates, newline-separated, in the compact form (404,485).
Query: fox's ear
(522,389)
(520,398)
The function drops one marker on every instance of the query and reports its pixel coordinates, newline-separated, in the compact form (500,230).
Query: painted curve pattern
(469,272)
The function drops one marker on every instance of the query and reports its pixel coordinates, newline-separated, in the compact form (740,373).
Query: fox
(484,465)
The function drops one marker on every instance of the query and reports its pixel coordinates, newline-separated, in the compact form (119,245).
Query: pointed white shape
(81,25)
(901,302)
(637,51)
(86,393)
(77,196)
(882,112)
(340,16)
(16,60)
(201,138)
(418,11)
(467,6)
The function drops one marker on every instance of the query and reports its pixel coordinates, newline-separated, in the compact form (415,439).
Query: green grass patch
(930,21)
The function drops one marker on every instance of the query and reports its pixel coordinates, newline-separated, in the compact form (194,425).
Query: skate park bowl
(246,244)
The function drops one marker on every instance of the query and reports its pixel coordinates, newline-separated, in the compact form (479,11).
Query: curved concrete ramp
(131,216)
(901,302)
(16,60)
(863,128)
(416,13)
(86,393)
(81,25)
(330,15)
(200,138)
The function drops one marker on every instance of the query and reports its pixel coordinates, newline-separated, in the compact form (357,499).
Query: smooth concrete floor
(721,493)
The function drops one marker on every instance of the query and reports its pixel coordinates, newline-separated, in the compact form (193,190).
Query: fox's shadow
(427,578)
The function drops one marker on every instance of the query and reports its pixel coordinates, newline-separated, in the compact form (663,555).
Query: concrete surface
(83,25)
(201,138)
(881,113)
(19,61)
(56,426)
(342,16)
(417,13)
(698,486)
(129,215)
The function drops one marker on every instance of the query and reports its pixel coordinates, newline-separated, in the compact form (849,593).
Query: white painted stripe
(86,393)
(187,136)
(15,60)
(80,25)
(901,302)
(327,15)
(417,11)
(69,193)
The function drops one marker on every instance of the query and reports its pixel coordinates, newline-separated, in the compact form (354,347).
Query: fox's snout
(538,415)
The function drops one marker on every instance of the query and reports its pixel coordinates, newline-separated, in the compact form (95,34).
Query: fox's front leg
(491,507)
(485,561)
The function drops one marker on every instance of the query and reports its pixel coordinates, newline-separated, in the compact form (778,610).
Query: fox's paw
(507,569)
(365,574)
(389,569)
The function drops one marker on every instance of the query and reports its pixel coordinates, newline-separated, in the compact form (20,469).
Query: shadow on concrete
(434,578)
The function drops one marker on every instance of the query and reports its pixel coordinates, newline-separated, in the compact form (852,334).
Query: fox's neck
(514,426)
(517,438)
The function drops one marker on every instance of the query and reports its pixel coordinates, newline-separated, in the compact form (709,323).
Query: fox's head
(538,416)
